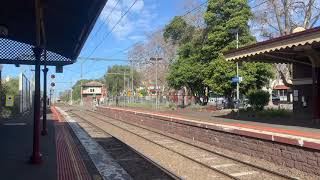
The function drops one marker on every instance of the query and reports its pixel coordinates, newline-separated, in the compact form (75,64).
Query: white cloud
(139,18)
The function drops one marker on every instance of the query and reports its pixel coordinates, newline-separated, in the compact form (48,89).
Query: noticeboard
(9,100)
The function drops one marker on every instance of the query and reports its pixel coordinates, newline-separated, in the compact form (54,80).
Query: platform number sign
(53,84)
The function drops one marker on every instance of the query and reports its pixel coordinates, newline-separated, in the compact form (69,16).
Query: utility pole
(132,80)
(81,100)
(238,97)
(124,85)
(156,88)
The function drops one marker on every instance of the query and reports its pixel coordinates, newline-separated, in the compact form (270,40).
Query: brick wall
(305,159)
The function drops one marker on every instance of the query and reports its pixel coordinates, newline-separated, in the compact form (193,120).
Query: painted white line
(14,124)
(223,165)
(243,173)
(105,164)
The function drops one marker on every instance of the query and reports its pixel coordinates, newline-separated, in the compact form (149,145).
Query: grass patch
(267,113)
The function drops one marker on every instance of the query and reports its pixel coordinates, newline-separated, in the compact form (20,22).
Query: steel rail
(166,171)
(202,148)
(183,155)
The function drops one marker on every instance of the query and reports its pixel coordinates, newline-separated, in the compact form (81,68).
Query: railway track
(218,165)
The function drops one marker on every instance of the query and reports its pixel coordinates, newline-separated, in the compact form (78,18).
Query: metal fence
(25,93)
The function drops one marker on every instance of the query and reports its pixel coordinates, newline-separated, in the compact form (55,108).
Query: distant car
(275,99)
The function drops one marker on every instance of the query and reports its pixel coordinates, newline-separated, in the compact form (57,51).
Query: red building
(93,92)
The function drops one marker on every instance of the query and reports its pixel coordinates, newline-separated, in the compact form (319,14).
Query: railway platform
(287,145)
(290,128)
(63,155)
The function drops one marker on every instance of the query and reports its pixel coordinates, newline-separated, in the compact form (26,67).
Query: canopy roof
(284,49)
(66,26)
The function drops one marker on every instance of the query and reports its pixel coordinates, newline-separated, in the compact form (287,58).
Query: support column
(314,57)
(44,115)
(36,156)
(316,94)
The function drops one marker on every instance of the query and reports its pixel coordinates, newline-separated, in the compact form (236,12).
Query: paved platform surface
(63,156)
(16,147)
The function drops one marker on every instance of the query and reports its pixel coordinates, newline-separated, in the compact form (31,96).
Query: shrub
(273,113)
(258,99)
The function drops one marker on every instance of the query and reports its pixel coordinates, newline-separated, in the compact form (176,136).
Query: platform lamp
(236,32)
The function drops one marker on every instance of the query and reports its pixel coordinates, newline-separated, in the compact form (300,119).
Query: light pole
(124,82)
(156,59)
(44,115)
(236,31)
(81,99)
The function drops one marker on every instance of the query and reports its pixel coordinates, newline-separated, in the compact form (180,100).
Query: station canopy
(293,48)
(66,25)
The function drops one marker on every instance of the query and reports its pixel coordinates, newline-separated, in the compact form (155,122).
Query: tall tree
(274,18)
(222,18)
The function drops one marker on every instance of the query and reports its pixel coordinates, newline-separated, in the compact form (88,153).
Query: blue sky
(145,17)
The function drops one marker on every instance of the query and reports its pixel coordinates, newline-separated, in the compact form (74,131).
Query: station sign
(236,79)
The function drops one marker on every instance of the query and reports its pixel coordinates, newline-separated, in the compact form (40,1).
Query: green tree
(178,31)
(221,17)
(187,70)
(11,87)
(114,79)
(76,89)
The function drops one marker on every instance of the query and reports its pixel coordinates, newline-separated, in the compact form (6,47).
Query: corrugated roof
(93,84)
(281,87)
(307,37)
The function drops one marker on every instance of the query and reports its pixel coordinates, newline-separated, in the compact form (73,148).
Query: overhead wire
(106,20)
(115,25)
(185,14)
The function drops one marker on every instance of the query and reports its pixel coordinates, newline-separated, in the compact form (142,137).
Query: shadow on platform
(16,138)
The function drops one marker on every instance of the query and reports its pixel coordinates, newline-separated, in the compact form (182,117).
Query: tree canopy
(118,79)
(201,64)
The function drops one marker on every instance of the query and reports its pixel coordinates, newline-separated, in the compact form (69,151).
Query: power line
(107,19)
(106,35)
(102,59)
(186,13)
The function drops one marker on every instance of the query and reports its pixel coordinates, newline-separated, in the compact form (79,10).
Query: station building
(93,91)
(302,50)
